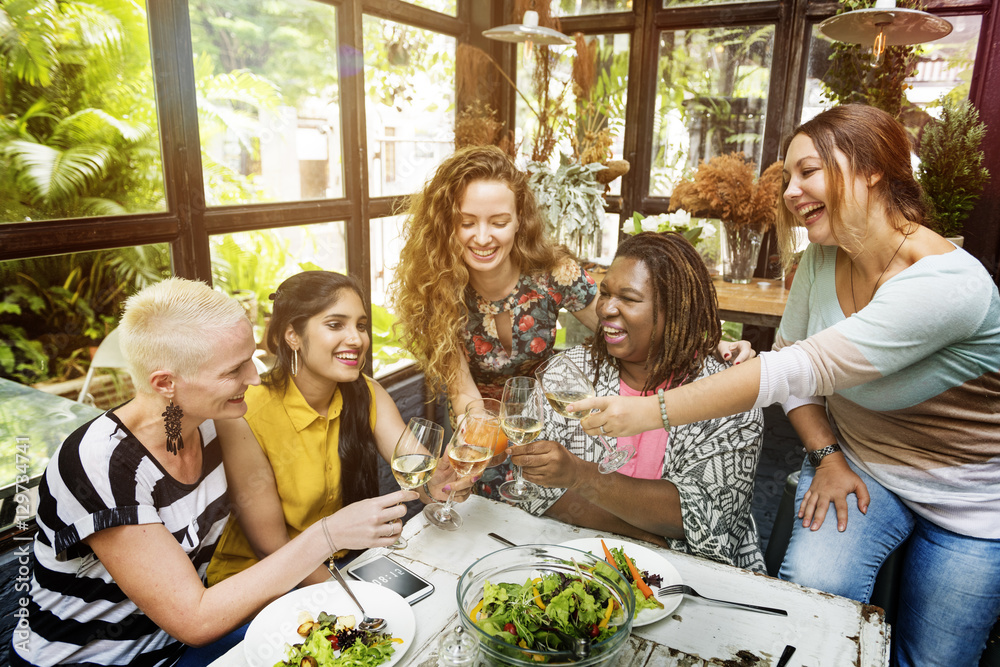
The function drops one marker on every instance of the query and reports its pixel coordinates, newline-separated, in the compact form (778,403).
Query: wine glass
(416,457)
(492,406)
(470,449)
(521,417)
(563,383)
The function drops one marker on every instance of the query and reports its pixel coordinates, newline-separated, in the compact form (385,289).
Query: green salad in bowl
(546,604)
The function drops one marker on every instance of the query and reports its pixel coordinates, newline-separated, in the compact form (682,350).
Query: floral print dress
(534,306)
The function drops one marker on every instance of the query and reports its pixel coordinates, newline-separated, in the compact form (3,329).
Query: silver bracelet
(430,495)
(663,410)
(329,540)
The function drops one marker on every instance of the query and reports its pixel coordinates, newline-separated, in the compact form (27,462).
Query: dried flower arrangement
(725,187)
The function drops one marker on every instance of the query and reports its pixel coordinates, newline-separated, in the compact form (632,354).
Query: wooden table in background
(760,302)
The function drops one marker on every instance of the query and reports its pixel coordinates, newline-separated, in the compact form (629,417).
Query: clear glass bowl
(516,565)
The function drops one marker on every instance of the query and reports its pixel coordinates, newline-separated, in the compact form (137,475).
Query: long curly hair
(684,309)
(431,278)
(296,300)
(875,144)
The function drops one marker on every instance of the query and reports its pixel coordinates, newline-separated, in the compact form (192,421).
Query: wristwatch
(818,455)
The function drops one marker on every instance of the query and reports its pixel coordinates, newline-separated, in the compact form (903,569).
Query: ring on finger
(603,432)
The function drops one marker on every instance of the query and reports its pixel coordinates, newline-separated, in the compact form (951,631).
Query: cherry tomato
(333,642)
(509,627)
(594,631)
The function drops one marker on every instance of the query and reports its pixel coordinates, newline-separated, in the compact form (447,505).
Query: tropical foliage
(78,130)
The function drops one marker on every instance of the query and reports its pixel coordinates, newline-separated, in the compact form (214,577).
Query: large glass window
(581,7)
(410,110)
(443,6)
(251,265)
(268,115)
(78,127)
(55,312)
(682,3)
(943,68)
(386,244)
(711,98)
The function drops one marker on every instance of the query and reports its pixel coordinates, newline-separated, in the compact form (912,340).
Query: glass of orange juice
(491,406)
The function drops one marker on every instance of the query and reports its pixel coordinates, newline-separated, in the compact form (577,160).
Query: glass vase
(740,248)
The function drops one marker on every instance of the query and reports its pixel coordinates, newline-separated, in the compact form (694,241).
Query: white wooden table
(825,629)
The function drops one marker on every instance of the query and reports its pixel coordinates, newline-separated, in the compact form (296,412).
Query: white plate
(276,624)
(645,559)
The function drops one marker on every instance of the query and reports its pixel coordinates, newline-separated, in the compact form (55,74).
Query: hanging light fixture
(885,25)
(527,31)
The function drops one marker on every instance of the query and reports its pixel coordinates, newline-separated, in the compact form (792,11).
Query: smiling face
(811,199)
(488,225)
(333,342)
(625,307)
(216,390)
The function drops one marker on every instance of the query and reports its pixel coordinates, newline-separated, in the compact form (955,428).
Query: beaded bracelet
(663,410)
(329,540)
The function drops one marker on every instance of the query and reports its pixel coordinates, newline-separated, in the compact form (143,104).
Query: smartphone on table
(386,572)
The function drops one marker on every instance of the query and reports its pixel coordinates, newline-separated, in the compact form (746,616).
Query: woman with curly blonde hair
(479,286)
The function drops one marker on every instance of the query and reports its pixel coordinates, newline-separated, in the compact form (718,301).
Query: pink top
(650,446)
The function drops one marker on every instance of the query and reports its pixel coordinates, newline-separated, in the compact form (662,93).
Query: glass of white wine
(469,451)
(522,415)
(563,383)
(415,457)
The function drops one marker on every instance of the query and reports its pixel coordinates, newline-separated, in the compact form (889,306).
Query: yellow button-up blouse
(302,448)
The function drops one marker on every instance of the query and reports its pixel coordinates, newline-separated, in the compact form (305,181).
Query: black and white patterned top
(712,463)
(102,477)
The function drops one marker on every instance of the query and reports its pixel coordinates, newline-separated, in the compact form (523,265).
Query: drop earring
(172,425)
(295,363)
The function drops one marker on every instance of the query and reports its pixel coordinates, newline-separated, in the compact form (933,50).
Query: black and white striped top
(102,477)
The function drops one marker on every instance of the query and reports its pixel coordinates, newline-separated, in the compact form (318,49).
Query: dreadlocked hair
(684,308)
(295,301)
(431,278)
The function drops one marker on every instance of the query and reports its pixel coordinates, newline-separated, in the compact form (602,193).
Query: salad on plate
(334,641)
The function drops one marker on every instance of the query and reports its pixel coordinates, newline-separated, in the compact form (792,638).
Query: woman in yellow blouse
(308,444)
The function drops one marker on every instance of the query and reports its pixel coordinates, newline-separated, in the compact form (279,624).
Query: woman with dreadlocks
(658,329)
(479,286)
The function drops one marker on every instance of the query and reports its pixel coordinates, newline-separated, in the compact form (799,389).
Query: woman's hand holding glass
(563,384)
(469,452)
(416,457)
(522,416)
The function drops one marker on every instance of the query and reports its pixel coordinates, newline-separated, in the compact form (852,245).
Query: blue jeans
(949,597)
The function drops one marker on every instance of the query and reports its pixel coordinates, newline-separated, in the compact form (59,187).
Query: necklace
(874,289)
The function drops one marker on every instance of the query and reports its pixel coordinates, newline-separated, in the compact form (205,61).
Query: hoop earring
(364,362)
(172,425)
(295,363)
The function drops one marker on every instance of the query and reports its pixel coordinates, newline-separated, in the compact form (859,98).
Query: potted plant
(951,170)
(726,187)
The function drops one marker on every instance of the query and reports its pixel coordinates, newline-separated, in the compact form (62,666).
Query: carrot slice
(646,590)
(608,557)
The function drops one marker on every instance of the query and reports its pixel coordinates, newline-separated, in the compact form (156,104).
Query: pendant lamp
(527,31)
(885,25)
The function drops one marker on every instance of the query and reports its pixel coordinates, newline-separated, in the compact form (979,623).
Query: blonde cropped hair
(174,325)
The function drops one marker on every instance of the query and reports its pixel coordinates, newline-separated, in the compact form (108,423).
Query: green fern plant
(951,170)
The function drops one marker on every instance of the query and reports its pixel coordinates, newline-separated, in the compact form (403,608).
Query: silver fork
(687,590)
